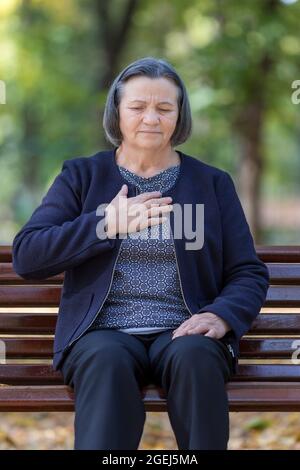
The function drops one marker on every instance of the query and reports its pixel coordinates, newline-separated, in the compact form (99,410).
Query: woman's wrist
(107,226)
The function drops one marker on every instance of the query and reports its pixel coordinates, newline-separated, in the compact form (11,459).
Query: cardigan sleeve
(245,276)
(58,236)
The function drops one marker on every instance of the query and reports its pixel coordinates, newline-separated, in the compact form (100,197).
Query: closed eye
(165,110)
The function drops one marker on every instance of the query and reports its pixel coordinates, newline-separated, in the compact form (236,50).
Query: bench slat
(263,372)
(261,348)
(280,273)
(28,348)
(32,323)
(277,253)
(29,374)
(33,296)
(22,323)
(287,296)
(252,396)
(270,348)
(264,396)
(49,296)
(280,324)
(264,387)
(39,374)
(284,273)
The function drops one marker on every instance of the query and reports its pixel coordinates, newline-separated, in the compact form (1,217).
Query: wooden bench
(267,377)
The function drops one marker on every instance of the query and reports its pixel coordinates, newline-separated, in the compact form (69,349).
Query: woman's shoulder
(85,165)
(85,161)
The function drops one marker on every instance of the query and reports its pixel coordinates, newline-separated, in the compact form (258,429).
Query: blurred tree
(113,25)
(248,51)
(238,60)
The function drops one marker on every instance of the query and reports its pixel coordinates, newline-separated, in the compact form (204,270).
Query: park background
(239,61)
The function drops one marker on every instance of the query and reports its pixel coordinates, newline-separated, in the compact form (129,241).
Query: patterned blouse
(145,294)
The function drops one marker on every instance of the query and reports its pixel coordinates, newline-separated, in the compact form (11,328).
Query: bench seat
(267,379)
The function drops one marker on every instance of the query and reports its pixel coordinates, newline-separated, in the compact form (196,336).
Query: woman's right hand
(126,215)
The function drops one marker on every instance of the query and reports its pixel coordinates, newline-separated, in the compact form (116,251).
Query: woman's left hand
(206,323)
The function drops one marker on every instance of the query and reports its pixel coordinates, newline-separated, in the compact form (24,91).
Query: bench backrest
(27,325)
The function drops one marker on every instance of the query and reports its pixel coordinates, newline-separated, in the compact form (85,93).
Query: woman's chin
(149,145)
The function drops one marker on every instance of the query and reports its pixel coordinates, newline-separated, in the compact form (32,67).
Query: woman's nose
(150,117)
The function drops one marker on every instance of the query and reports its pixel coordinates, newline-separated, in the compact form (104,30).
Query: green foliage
(58,59)
(258,424)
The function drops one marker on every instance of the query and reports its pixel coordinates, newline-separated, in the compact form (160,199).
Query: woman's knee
(200,352)
(101,362)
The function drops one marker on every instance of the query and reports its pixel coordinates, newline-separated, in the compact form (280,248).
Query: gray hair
(152,68)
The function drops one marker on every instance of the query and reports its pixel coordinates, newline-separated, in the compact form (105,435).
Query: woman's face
(148,112)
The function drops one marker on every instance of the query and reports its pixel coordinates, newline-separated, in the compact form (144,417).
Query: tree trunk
(112,36)
(248,125)
(111,39)
(251,165)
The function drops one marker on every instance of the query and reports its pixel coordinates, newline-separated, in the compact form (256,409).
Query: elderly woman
(140,305)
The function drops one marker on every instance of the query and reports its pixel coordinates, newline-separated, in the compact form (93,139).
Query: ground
(55,431)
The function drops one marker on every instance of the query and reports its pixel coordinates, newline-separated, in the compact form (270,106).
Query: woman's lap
(148,355)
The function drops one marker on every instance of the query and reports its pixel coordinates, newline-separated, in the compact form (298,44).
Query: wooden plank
(30,323)
(250,348)
(29,374)
(279,253)
(36,398)
(270,348)
(286,296)
(284,273)
(49,296)
(5,253)
(267,372)
(33,296)
(39,323)
(43,374)
(264,396)
(28,348)
(251,396)
(273,253)
(280,273)
(277,324)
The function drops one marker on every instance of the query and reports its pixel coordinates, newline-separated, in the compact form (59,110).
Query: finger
(158,202)
(155,221)
(143,223)
(135,209)
(199,329)
(212,333)
(154,211)
(182,330)
(183,333)
(148,195)
(123,191)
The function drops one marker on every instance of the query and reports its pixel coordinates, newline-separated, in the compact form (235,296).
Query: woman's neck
(146,163)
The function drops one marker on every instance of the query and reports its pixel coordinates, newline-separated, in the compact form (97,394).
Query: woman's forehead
(142,89)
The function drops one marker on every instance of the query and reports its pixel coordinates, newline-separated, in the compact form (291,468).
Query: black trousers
(107,368)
